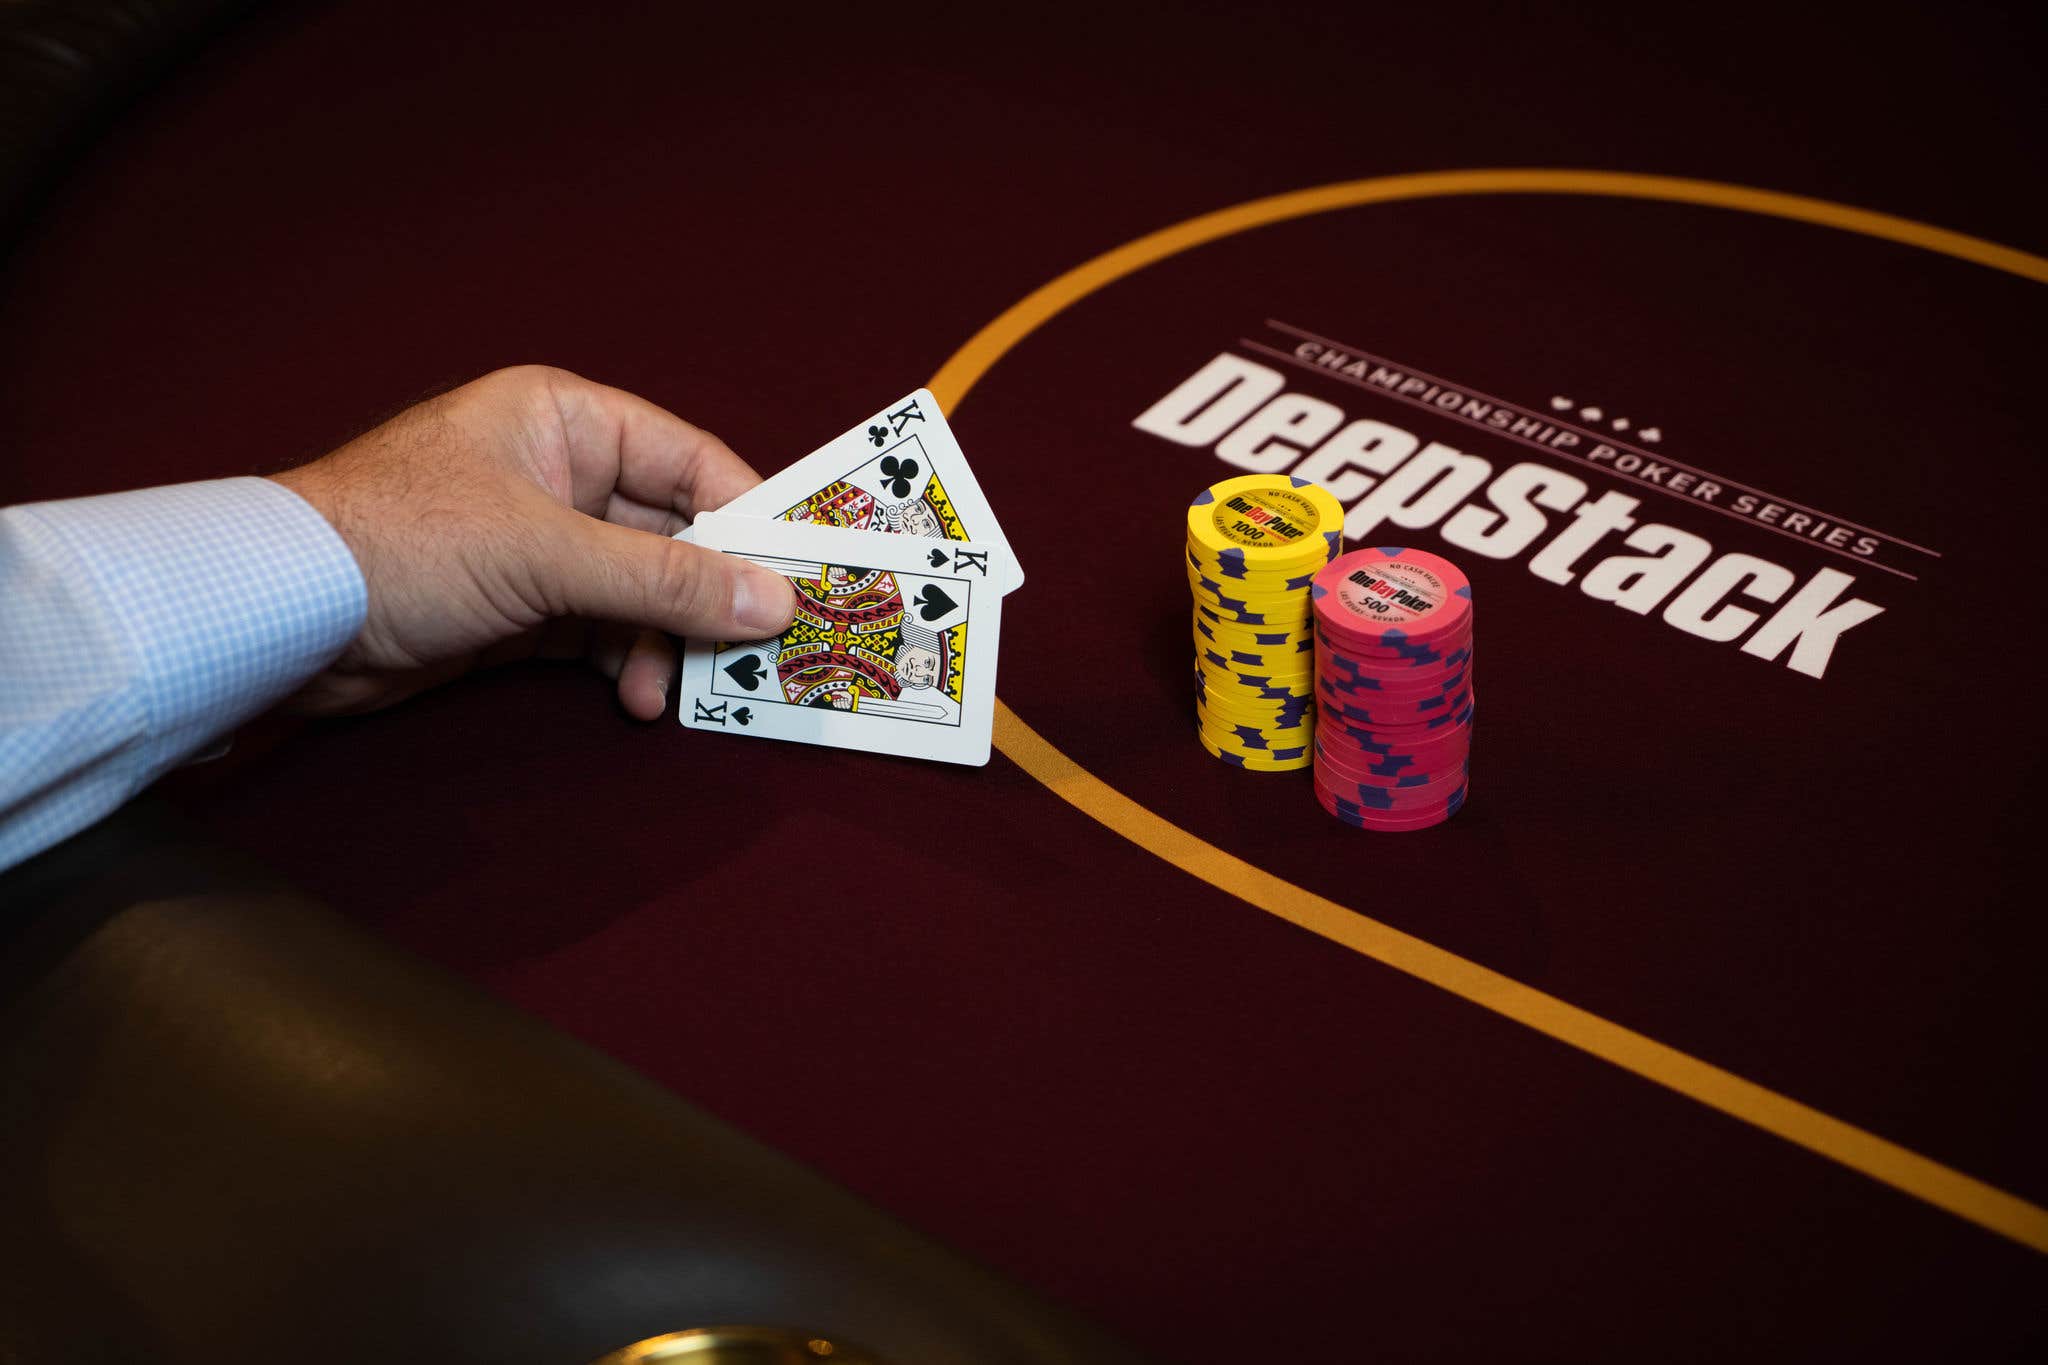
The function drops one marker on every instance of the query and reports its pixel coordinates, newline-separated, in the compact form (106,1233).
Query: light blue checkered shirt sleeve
(138,627)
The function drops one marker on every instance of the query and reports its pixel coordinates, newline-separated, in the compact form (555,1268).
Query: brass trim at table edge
(737,1345)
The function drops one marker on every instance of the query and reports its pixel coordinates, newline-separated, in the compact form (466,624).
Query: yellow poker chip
(1215,591)
(1262,618)
(1243,702)
(1249,741)
(1234,566)
(1257,613)
(1228,579)
(1225,714)
(1262,637)
(1254,620)
(1292,762)
(1226,665)
(1235,577)
(1229,655)
(1285,732)
(1254,747)
(1282,642)
(1229,598)
(1298,669)
(1221,720)
(1254,741)
(1233,590)
(1251,685)
(1256,637)
(1261,701)
(1269,622)
(1265,523)
(1270,522)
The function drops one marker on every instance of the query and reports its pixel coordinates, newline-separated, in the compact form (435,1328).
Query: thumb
(639,578)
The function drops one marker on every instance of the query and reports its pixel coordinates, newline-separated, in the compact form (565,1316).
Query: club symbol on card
(744,715)
(897,474)
(932,603)
(746,671)
(878,434)
(937,559)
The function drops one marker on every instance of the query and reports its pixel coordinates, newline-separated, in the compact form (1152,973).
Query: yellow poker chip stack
(1254,545)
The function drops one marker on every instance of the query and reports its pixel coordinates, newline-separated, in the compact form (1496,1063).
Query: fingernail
(760,602)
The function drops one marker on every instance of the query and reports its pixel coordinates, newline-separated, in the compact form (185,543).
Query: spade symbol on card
(937,559)
(746,671)
(932,603)
(744,715)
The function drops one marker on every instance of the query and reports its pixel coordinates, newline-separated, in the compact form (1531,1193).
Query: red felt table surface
(975,1003)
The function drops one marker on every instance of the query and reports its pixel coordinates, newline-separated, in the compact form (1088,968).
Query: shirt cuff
(231,595)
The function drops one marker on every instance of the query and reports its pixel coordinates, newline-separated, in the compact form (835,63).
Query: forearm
(139,627)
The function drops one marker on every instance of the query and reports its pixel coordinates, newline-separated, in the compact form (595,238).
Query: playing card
(893,650)
(900,470)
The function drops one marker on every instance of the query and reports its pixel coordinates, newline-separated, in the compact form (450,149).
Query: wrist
(318,489)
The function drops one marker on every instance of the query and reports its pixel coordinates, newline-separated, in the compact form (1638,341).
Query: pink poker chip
(1391,598)
(1394,822)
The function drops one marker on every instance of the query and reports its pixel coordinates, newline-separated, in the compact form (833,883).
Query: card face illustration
(893,649)
(900,471)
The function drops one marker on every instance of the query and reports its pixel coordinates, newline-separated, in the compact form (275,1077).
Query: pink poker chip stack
(1393,744)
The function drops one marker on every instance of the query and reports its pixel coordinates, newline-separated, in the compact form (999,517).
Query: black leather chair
(238,1129)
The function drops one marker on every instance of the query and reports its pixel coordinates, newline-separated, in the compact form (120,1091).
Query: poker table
(1710,1027)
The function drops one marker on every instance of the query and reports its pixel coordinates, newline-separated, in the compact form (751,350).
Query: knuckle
(527,376)
(524,388)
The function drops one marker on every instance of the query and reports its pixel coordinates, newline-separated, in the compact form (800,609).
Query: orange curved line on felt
(1903,1169)
(1886,1162)
(984,348)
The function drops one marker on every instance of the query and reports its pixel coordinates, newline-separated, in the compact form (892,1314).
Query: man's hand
(529,513)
